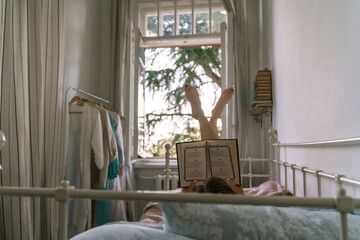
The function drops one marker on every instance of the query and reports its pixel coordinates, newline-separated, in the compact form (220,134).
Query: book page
(224,159)
(191,159)
(221,162)
(195,163)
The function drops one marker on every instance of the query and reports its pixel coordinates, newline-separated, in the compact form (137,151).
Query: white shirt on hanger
(91,140)
(110,150)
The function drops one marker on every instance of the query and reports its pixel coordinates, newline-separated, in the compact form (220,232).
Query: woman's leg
(224,99)
(207,130)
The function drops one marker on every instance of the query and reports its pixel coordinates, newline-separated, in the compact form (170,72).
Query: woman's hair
(214,185)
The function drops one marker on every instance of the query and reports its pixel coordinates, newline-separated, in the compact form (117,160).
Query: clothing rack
(96,98)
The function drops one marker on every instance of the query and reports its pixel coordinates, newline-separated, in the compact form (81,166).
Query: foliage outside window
(168,69)
(198,66)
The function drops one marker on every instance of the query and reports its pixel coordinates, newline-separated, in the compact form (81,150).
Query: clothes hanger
(77,99)
(108,108)
(81,101)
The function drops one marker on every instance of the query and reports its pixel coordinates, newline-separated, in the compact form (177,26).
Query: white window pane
(148,19)
(167,20)
(184,17)
(201,9)
(218,15)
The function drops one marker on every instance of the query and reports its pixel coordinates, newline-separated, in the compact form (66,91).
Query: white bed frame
(342,203)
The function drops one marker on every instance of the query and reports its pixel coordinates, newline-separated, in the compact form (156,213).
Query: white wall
(313,49)
(87,24)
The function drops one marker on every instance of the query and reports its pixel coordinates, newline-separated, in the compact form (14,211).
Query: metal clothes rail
(96,98)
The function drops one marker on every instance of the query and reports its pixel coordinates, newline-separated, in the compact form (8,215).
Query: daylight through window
(164,114)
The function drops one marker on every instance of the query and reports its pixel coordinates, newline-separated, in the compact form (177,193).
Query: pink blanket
(268,188)
(153,214)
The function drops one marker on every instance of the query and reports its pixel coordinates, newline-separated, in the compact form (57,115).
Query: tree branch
(211,74)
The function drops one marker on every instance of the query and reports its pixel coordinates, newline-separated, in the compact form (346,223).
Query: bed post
(317,174)
(272,138)
(344,204)
(62,196)
(293,178)
(167,167)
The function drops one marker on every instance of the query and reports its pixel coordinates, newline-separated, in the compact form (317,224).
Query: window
(183,17)
(172,30)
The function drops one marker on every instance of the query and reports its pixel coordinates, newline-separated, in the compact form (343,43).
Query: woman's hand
(237,189)
(190,188)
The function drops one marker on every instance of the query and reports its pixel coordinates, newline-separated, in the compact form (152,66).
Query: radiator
(160,182)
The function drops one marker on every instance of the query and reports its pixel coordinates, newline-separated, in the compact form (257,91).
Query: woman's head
(215,185)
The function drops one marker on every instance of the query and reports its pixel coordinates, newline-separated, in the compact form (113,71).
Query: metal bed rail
(342,203)
(338,178)
(353,140)
(319,174)
(250,175)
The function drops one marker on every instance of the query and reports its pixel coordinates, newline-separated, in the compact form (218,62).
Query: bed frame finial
(272,132)
(167,166)
(344,204)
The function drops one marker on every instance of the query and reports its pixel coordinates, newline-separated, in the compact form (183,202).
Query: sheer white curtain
(121,68)
(32,116)
(241,73)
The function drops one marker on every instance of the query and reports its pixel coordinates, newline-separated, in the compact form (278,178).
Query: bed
(208,221)
(261,215)
(184,220)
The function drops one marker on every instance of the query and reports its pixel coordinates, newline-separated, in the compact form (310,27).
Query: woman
(208,130)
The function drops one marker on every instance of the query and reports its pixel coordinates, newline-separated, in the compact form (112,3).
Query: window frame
(193,39)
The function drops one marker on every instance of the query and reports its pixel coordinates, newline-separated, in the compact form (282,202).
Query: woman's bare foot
(224,99)
(193,97)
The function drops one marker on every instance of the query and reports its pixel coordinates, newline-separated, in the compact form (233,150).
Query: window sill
(155,162)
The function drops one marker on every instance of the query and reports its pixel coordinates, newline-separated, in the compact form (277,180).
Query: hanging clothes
(91,141)
(73,165)
(102,208)
(118,132)
(96,150)
(117,207)
(99,177)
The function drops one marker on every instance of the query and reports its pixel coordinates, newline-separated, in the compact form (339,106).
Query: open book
(202,159)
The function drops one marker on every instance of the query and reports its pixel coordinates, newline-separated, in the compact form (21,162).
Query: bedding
(152,213)
(128,231)
(213,221)
(167,220)
(210,221)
